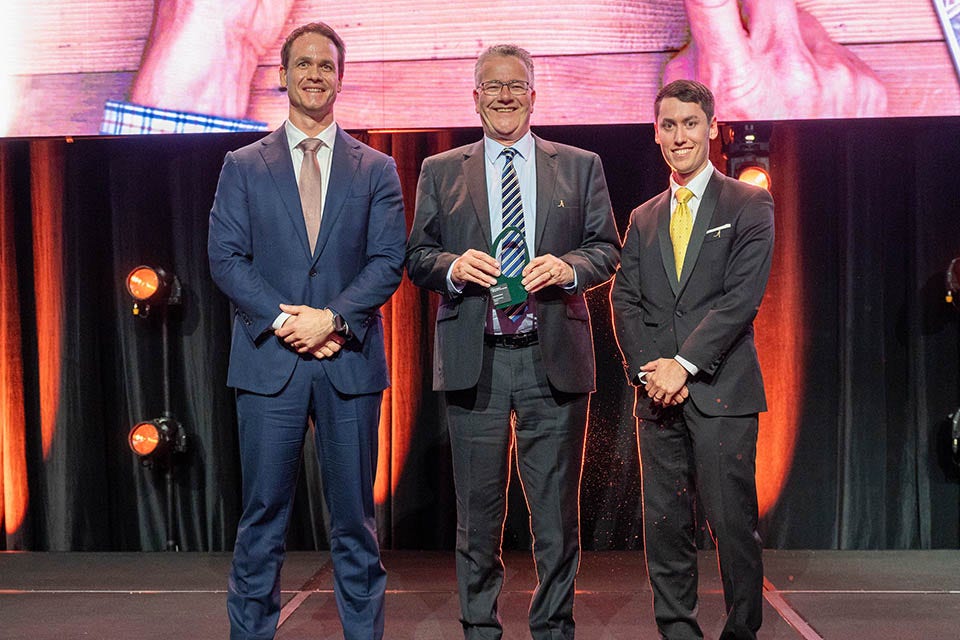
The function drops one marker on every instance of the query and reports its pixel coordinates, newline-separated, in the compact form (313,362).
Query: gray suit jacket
(574,222)
(707,316)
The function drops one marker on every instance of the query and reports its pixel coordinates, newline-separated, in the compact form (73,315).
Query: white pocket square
(717,230)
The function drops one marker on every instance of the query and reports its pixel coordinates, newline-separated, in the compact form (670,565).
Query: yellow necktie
(681,224)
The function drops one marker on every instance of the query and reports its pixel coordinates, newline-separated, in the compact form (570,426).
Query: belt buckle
(520,340)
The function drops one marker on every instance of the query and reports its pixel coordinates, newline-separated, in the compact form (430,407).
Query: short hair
(321,28)
(686,91)
(510,50)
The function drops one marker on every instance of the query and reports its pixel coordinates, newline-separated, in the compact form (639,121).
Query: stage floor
(865,595)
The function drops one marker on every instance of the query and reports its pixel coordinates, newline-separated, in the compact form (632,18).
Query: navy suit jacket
(574,222)
(260,257)
(707,315)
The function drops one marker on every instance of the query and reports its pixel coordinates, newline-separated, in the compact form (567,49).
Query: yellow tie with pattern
(681,224)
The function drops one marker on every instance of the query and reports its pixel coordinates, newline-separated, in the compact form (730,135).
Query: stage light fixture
(149,285)
(746,147)
(953,282)
(155,440)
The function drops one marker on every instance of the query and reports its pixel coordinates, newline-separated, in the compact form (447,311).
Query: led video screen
(81,67)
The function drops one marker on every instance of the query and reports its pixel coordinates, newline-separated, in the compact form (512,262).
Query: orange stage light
(755,175)
(143,282)
(144,438)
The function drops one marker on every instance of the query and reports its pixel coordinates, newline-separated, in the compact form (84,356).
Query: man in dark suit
(516,356)
(307,270)
(695,264)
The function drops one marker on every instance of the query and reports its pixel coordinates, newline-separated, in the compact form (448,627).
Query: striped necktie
(512,249)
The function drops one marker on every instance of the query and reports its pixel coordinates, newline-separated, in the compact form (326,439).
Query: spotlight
(152,286)
(955,436)
(755,175)
(746,146)
(953,282)
(155,440)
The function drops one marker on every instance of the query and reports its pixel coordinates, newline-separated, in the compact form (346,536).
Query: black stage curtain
(867,214)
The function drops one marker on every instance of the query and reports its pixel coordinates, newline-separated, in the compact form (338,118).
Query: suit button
(313,273)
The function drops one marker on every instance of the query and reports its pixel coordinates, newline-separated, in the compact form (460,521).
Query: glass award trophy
(509,289)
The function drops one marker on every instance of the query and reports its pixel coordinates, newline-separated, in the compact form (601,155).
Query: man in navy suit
(307,270)
(694,267)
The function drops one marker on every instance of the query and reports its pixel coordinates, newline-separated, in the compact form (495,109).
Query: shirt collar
(698,185)
(295,136)
(524,146)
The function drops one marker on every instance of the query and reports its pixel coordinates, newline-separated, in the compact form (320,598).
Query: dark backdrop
(857,343)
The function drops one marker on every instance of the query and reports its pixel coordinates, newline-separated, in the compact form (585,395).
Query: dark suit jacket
(260,257)
(706,317)
(574,222)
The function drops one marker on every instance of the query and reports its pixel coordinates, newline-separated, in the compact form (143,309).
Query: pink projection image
(84,67)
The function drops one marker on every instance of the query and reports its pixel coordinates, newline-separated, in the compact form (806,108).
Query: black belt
(511,340)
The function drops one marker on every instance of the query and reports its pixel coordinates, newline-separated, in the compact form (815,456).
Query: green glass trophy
(509,290)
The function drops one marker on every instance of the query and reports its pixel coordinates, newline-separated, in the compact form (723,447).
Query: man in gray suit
(695,264)
(511,231)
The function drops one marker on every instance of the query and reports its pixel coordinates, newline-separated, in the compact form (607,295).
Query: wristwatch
(339,324)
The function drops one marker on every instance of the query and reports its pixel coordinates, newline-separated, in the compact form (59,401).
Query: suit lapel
(343,169)
(704,216)
(662,207)
(276,155)
(546,186)
(475,175)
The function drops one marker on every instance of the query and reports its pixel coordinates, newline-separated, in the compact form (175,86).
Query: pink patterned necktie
(311,190)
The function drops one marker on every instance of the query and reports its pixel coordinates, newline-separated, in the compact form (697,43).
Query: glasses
(493,87)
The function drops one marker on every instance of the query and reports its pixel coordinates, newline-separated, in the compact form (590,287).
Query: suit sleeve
(745,279)
(625,295)
(596,259)
(230,252)
(386,235)
(427,262)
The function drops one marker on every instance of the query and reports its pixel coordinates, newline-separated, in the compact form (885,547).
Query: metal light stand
(180,443)
(170,427)
(953,297)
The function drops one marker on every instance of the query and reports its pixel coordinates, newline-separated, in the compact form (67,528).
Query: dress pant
(272,429)
(514,402)
(687,452)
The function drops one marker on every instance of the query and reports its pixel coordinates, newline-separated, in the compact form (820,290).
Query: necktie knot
(684,195)
(310,145)
(508,153)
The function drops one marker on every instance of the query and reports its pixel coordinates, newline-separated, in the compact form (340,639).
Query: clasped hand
(310,330)
(666,382)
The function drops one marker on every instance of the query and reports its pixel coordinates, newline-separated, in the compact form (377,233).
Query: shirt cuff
(572,288)
(691,368)
(452,288)
(280,320)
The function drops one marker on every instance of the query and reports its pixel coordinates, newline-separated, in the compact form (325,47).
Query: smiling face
(505,117)
(312,80)
(684,132)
